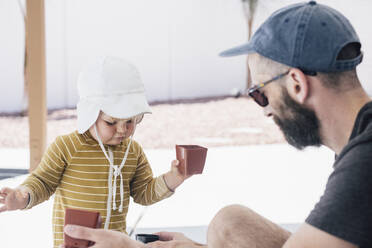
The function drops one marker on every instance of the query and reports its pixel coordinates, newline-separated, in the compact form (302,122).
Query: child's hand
(13,199)
(175,169)
(174,177)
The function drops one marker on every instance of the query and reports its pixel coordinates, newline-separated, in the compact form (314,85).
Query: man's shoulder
(344,208)
(357,151)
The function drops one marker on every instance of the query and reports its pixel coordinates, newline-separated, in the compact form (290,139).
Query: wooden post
(35,76)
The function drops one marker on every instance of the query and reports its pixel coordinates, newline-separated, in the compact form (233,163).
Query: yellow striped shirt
(76,170)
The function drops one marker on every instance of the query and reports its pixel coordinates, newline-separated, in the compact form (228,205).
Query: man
(304,60)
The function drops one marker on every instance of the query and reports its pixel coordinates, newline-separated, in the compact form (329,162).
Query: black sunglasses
(257,95)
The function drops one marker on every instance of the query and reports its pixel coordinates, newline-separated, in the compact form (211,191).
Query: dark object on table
(191,158)
(81,218)
(147,238)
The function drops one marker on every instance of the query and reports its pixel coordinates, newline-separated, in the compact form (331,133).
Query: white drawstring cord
(108,207)
(116,170)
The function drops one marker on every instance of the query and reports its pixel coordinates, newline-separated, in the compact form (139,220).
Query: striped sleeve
(145,189)
(44,180)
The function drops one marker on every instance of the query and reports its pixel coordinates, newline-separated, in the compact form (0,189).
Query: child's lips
(121,138)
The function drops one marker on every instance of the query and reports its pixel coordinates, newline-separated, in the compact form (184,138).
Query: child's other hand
(174,177)
(13,199)
(175,169)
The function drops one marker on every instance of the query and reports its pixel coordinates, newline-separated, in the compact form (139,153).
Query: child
(98,166)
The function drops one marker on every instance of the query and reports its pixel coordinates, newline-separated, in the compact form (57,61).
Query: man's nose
(267,111)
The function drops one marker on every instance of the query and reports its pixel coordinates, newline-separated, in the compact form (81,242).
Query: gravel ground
(210,123)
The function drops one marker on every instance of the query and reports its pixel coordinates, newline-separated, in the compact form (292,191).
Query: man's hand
(102,238)
(173,240)
(13,199)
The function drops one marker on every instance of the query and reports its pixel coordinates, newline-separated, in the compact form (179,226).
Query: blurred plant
(249,8)
(21,5)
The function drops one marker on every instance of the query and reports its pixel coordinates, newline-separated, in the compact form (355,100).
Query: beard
(302,128)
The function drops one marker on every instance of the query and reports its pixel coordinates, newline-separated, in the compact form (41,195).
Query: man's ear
(298,85)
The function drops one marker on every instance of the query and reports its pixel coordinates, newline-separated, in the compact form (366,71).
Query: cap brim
(239,50)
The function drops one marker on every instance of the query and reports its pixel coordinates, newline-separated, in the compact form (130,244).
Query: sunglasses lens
(259,98)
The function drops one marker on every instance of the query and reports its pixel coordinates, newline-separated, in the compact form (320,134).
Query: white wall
(174,43)
(11,56)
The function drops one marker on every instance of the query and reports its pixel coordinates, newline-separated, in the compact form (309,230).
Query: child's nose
(121,127)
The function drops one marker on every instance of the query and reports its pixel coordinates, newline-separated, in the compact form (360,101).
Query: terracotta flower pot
(81,218)
(191,158)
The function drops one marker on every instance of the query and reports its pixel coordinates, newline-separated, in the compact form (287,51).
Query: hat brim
(246,48)
(117,106)
(130,105)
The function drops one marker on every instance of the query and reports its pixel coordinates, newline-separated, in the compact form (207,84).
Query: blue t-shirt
(345,209)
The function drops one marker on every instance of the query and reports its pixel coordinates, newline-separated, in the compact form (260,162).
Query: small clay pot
(81,218)
(191,158)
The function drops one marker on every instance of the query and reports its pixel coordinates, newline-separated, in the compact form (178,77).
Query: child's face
(113,131)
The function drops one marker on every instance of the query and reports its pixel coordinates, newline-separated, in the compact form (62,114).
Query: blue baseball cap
(308,36)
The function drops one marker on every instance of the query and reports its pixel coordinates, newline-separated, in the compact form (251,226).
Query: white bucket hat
(112,85)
